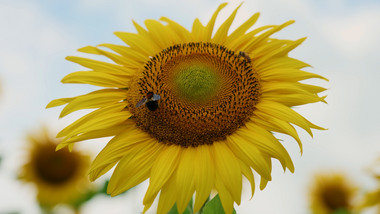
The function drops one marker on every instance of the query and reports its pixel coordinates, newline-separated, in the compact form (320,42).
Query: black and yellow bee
(150,101)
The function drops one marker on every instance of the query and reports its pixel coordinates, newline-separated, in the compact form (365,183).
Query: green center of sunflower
(207,92)
(196,82)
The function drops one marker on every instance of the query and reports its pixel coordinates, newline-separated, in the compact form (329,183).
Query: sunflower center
(196,82)
(55,167)
(335,198)
(206,90)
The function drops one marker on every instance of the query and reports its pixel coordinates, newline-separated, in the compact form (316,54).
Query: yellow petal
(182,33)
(277,125)
(227,169)
(281,63)
(267,143)
(59,102)
(114,57)
(139,43)
(168,196)
(210,25)
(282,51)
(204,175)
(291,94)
(242,29)
(136,58)
(134,167)
(264,36)
(95,114)
(97,79)
(284,113)
(221,34)
(287,74)
(97,65)
(116,148)
(249,154)
(281,88)
(96,99)
(263,181)
(294,99)
(247,172)
(159,33)
(100,133)
(244,40)
(185,178)
(197,31)
(98,123)
(159,175)
(225,196)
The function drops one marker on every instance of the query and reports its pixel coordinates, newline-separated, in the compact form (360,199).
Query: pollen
(207,92)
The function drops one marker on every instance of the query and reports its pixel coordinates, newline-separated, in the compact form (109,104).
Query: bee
(245,55)
(150,100)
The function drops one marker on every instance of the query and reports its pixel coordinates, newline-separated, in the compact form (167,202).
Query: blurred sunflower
(372,198)
(332,193)
(60,177)
(190,110)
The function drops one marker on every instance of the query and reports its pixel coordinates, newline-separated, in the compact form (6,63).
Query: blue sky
(342,44)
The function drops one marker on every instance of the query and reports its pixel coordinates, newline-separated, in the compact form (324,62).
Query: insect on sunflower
(216,97)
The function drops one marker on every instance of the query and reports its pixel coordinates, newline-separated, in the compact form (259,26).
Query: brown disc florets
(206,90)
(55,167)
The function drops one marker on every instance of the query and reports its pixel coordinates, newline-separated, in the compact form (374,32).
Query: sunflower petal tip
(117,33)
(61,115)
(60,146)
(111,191)
(89,50)
(302,39)
(91,178)
(50,104)
(292,169)
(163,18)
(59,135)
(70,58)
(82,49)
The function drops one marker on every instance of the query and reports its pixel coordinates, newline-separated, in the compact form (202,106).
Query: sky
(342,45)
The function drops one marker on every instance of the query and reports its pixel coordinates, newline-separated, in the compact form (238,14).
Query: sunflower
(60,177)
(332,193)
(372,198)
(192,111)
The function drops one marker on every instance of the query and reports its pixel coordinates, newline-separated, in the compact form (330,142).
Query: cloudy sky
(342,45)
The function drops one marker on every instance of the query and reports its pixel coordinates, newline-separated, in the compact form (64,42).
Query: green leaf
(214,207)
(203,206)
(173,210)
(103,190)
(188,210)
(83,199)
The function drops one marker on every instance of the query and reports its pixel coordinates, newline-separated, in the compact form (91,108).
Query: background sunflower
(342,45)
(332,193)
(59,177)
